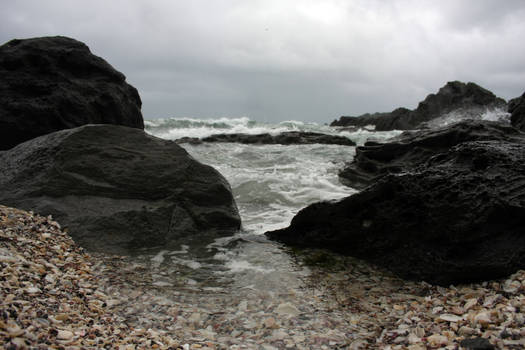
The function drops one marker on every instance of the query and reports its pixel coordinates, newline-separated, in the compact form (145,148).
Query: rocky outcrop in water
(413,149)
(54,83)
(470,99)
(457,217)
(117,188)
(284,138)
(516,108)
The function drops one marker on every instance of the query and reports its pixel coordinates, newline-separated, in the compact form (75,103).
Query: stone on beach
(116,188)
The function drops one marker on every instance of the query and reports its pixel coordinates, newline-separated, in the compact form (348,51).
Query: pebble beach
(54,295)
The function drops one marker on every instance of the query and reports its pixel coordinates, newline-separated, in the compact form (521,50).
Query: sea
(270,184)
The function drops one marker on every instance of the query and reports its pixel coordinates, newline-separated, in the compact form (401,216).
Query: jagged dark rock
(469,98)
(117,188)
(54,83)
(412,149)
(284,138)
(458,217)
(516,108)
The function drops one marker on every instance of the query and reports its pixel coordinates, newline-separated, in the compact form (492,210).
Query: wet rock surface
(469,98)
(413,149)
(516,108)
(284,138)
(116,188)
(53,294)
(54,83)
(458,217)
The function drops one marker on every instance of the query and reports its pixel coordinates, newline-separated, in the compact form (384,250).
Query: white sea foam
(159,258)
(236,266)
(192,264)
(481,113)
(175,128)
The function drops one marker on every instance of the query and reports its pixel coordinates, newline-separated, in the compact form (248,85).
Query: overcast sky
(275,60)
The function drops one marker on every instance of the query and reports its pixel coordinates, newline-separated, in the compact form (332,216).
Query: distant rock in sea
(54,83)
(455,215)
(468,99)
(117,188)
(283,138)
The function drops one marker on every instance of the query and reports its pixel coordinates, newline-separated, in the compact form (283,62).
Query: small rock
(463,331)
(33,290)
(416,347)
(243,305)
(270,323)
(287,309)
(476,344)
(14,331)
(195,317)
(419,332)
(7,259)
(269,347)
(437,340)
(50,279)
(279,335)
(62,317)
(64,335)
(483,318)
(412,338)
(449,318)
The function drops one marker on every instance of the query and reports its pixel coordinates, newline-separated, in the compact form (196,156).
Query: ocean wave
(481,113)
(176,128)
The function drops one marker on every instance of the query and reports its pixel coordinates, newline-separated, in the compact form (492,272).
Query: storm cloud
(280,60)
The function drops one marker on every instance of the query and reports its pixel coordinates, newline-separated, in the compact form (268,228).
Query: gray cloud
(277,60)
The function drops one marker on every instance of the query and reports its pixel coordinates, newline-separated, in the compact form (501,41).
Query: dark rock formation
(469,98)
(284,138)
(117,188)
(516,108)
(412,149)
(190,140)
(457,218)
(54,83)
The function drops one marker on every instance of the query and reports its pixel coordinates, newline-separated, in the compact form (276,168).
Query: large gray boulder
(117,188)
(54,83)
(467,99)
(457,218)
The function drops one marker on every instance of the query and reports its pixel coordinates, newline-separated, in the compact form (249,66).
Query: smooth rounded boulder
(117,188)
(457,218)
(53,83)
